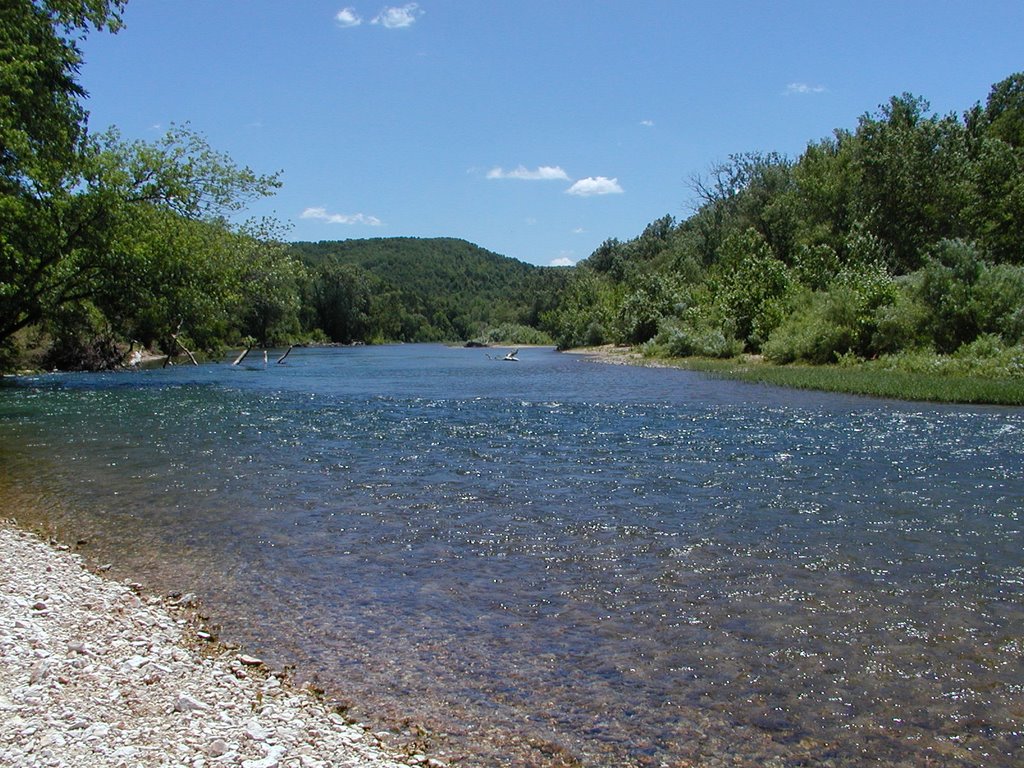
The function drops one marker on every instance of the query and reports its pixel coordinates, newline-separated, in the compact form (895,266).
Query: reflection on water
(553,560)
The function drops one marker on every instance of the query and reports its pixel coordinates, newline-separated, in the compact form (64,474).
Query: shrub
(700,337)
(821,329)
(985,357)
(946,281)
(997,302)
(901,324)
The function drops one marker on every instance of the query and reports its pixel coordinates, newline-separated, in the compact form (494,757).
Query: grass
(866,378)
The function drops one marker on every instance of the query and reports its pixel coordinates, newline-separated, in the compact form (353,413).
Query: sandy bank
(92,674)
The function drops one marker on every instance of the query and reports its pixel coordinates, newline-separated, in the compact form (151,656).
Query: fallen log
(245,352)
(187,352)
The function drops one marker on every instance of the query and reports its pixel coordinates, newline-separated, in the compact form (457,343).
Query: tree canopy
(102,237)
(420,289)
(904,234)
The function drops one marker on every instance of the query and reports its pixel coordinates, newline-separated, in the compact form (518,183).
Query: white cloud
(321,214)
(802,89)
(579,231)
(595,185)
(543,173)
(562,261)
(347,17)
(647,123)
(398,17)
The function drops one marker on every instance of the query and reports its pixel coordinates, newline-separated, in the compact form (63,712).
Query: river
(558,562)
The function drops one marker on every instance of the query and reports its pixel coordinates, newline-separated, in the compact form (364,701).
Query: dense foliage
(104,240)
(902,236)
(412,289)
(106,244)
(901,239)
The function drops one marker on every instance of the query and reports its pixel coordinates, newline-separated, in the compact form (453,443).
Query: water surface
(552,561)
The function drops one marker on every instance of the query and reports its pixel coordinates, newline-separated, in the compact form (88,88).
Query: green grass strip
(864,379)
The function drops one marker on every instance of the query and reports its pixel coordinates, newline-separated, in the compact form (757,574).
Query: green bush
(821,329)
(997,301)
(514,333)
(702,338)
(903,323)
(952,268)
(838,321)
(750,285)
(985,357)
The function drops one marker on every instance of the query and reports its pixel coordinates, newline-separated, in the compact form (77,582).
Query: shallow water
(554,561)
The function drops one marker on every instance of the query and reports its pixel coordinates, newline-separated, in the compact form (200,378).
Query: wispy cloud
(348,17)
(565,260)
(542,173)
(647,123)
(595,185)
(803,89)
(321,214)
(399,16)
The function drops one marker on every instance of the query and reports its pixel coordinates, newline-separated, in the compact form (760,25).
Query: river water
(558,562)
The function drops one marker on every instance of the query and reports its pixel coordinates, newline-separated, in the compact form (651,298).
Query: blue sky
(536,128)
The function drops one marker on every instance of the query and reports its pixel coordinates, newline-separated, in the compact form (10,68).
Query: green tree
(44,151)
(649,299)
(94,219)
(586,312)
(342,297)
(269,286)
(751,285)
(911,178)
(1004,110)
(946,287)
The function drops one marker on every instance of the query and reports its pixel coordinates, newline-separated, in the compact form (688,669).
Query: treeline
(412,289)
(902,236)
(108,245)
(106,242)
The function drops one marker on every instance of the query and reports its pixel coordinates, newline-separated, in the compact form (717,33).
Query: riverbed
(555,562)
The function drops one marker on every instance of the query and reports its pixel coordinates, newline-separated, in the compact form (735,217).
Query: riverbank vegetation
(896,246)
(424,289)
(937,379)
(894,251)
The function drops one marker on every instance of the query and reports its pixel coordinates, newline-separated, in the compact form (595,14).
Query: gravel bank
(92,674)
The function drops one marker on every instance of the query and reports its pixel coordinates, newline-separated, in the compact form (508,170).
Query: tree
(96,219)
(750,285)
(269,285)
(44,150)
(342,297)
(911,178)
(1004,110)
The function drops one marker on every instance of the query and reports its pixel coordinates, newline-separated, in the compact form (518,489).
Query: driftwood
(190,355)
(177,341)
(282,357)
(245,352)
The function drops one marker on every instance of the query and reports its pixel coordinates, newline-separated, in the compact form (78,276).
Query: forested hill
(420,289)
(427,267)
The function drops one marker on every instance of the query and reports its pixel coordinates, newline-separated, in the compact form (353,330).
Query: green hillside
(898,244)
(420,289)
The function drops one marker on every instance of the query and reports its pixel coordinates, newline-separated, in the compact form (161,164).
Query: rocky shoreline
(93,674)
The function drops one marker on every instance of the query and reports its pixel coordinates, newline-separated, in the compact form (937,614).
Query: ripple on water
(565,564)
